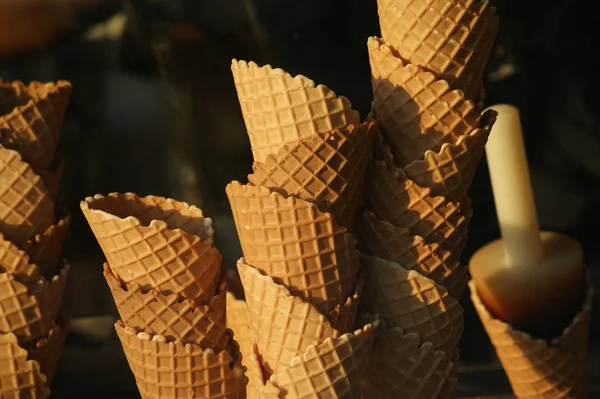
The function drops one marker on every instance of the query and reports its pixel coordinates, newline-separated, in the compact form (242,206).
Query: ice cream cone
(238,320)
(439,261)
(297,244)
(46,351)
(538,369)
(401,366)
(445,37)
(330,370)
(280,109)
(32,117)
(415,110)
(186,370)
(408,300)
(17,263)
(25,207)
(328,168)
(19,377)
(156,242)
(170,315)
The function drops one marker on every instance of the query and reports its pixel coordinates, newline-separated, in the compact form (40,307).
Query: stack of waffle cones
(32,274)
(301,269)
(427,75)
(170,287)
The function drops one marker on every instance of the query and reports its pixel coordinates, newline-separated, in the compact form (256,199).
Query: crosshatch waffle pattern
(19,377)
(408,300)
(284,325)
(170,315)
(36,121)
(444,37)
(328,168)
(154,255)
(413,368)
(416,111)
(25,207)
(172,369)
(238,320)
(17,263)
(279,109)
(292,240)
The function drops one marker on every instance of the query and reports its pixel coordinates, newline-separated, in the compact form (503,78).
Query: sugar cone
(330,370)
(46,351)
(407,299)
(19,377)
(279,109)
(16,262)
(170,315)
(284,325)
(535,368)
(297,244)
(401,366)
(445,37)
(186,370)
(328,168)
(25,207)
(439,261)
(238,320)
(156,242)
(53,176)
(416,111)
(34,118)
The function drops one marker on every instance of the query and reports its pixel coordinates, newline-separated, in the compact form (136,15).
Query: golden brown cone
(46,351)
(25,207)
(297,244)
(408,300)
(328,168)
(19,377)
(280,109)
(343,317)
(415,111)
(284,325)
(238,320)
(16,262)
(443,36)
(171,315)
(401,366)
(45,249)
(156,242)
(330,370)
(32,117)
(52,178)
(439,261)
(187,370)
(535,369)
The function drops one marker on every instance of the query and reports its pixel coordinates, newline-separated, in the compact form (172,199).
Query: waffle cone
(170,315)
(284,325)
(32,117)
(439,261)
(45,249)
(19,377)
(297,244)
(280,109)
(25,206)
(238,320)
(536,369)
(186,370)
(330,370)
(156,242)
(408,300)
(47,350)
(52,178)
(416,111)
(328,168)
(445,37)
(16,262)
(401,366)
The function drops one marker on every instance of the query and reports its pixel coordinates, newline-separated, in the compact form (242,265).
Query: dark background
(154,111)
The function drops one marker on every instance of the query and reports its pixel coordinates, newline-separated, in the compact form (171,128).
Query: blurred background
(154,111)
